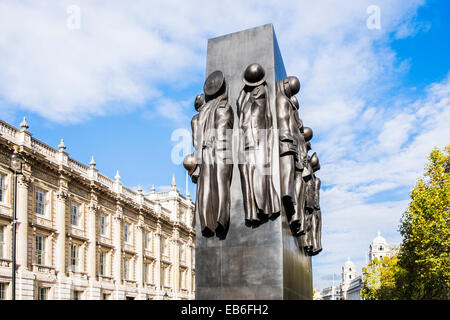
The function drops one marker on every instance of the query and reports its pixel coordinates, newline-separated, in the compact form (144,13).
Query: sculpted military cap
(189,163)
(214,83)
(295,102)
(291,86)
(314,160)
(199,101)
(254,75)
(307,133)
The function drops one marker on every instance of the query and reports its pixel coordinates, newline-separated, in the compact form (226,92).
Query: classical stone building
(352,283)
(81,235)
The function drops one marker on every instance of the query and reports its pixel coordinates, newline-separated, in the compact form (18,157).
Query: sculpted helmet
(199,101)
(189,163)
(214,83)
(307,133)
(254,75)
(315,162)
(295,102)
(308,146)
(291,86)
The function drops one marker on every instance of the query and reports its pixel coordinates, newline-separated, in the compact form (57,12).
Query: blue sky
(117,87)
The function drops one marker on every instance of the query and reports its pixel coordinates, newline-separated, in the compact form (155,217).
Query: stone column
(140,254)
(117,242)
(189,263)
(92,236)
(22,218)
(61,203)
(158,254)
(25,278)
(175,244)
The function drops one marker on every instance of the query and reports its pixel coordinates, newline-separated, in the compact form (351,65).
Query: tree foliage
(425,227)
(380,279)
(421,269)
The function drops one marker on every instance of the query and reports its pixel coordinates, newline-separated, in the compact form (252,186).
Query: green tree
(380,279)
(425,227)
(421,269)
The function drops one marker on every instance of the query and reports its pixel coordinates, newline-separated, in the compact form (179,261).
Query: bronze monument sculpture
(260,198)
(255,174)
(210,167)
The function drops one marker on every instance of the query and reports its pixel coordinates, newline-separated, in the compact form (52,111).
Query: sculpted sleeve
(224,124)
(284,131)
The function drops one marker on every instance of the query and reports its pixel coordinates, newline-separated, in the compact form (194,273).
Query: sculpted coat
(213,166)
(291,152)
(255,154)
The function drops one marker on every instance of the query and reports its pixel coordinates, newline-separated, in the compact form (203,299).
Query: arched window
(381,248)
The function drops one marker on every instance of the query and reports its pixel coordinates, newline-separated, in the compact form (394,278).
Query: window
(40,250)
(102,260)
(42,293)
(2,187)
(127,232)
(164,248)
(3,288)
(103,224)
(182,279)
(381,248)
(182,252)
(2,241)
(40,202)
(147,240)
(148,273)
(74,214)
(126,268)
(165,276)
(105,296)
(74,257)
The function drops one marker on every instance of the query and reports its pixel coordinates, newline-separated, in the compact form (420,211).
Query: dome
(379,240)
(349,265)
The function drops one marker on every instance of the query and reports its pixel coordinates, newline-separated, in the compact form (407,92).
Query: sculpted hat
(307,133)
(314,160)
(189,163)
(254,75)
(291,86)
(199,101)
(214,83)
(295,102)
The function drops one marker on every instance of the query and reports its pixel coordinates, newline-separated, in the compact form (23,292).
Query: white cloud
(128,56)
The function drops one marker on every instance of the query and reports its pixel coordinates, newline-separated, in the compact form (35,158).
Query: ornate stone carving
(93,207)
(45,176)
(62,195)
(23,181)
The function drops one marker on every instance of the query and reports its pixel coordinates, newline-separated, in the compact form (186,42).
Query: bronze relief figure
(260,198)
(312,238)
(211,166)
(292,152)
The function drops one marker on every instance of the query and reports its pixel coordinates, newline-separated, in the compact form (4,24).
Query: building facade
(352,283)
(81,235)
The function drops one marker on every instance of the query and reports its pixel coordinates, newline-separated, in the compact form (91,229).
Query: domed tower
(379,248)
(348,272)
